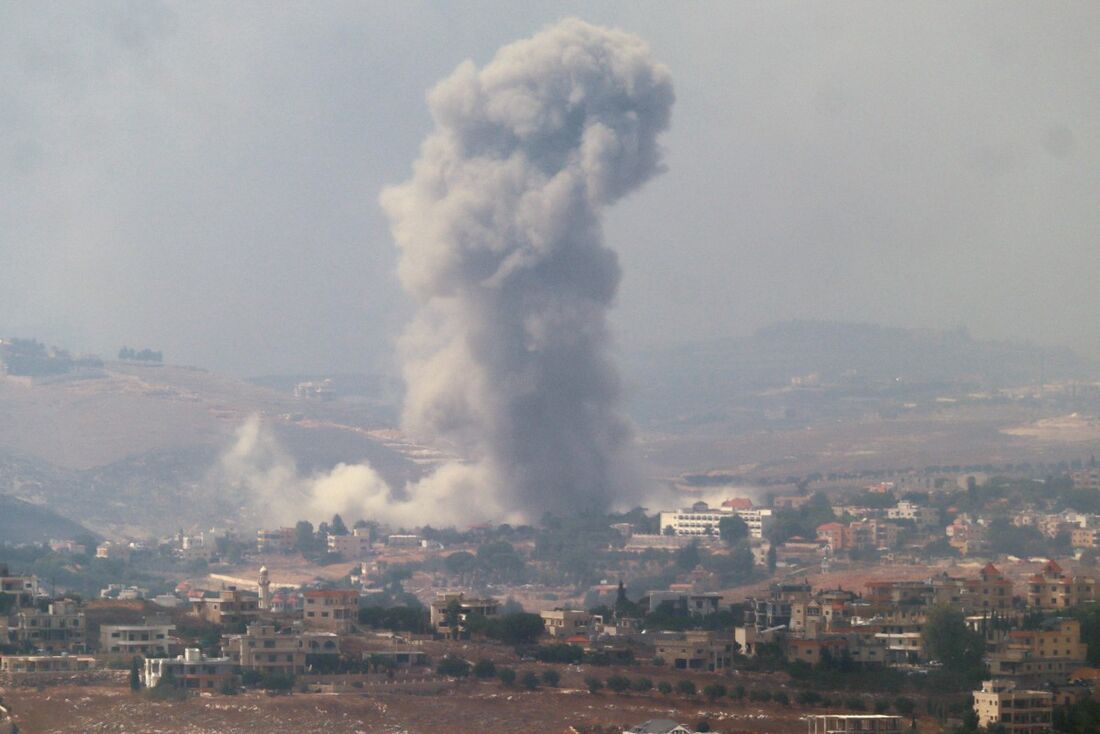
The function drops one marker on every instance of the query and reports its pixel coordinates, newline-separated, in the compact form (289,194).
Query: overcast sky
(203,178)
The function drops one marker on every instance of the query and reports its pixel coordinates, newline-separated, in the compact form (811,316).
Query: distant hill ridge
(21,522)
(776,353)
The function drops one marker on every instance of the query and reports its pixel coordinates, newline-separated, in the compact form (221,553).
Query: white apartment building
(135,639)
(906,510)
(701,520)
(353,547)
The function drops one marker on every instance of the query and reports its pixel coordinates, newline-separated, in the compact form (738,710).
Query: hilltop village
(889,605)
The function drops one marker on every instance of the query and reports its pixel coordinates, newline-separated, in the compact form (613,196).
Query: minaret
(265,589)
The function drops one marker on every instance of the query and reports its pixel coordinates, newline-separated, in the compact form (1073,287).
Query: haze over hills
(732,380)
(130,446)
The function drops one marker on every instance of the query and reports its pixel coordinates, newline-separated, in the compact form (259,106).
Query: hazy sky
(204,178)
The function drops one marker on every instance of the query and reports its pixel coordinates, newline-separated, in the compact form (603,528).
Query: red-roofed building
(738,503)
(1051,588)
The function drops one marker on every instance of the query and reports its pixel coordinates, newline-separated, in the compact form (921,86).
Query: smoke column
(499,228)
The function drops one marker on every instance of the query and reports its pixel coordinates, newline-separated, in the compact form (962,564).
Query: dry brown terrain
(467,708)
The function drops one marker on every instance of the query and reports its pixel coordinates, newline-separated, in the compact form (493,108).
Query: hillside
(129,448)
(22,522)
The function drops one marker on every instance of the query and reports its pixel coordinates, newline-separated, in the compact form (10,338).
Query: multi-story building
(858,535)
(966,536)
(774,610)
(136,639)
(563,623)
(701,520)
(191,671)
(267,650)
(1088,478)
(1016,711)
(873,534)
(276,540)
(898,593)
(24,588)
(1046,654)
(112,551)
(334,610)
(18,670)
(695,650)
(1085,537)
(686,602)
(922,516)
(835,534)
(990,591)
(228,606)
(61,628)
(354,546)
(815,650)
(1051,588)
(450,612)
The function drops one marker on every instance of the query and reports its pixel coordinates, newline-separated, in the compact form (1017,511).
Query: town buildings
(450,612)
(276,540)
(1015,710)
(1051,588)
(354,546)
(564,623)
(1049,653)
(695,650)
(136,639)
(16,670)
(334,610)
(24,588)
(228,606)
(191,671)
(267,650)
(701,520)
(61,628)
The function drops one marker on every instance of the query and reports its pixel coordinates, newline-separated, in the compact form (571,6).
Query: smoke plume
(508,358)
(499,227)
(276,492)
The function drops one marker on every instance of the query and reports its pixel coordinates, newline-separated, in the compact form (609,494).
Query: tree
(507,676)
(618,683)
(714,691)
(453,667)
(904,706)
(304,537)
(642,685)
(664,687)
(485,669)
(686,688)
(782,699)
(529,680)
(135,674)
(595,685)
(522,628)
(732,530)
(551,677)
(948,640)
(772,558)
(808,698)
(688,557)
(337,526)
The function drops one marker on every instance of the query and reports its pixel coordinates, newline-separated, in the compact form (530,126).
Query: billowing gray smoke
(499,228)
